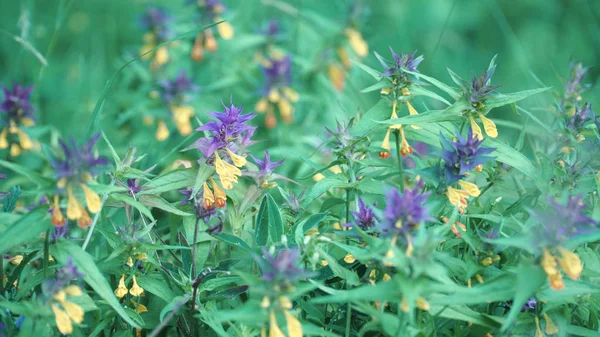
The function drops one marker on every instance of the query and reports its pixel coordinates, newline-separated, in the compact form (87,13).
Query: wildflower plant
(393,200)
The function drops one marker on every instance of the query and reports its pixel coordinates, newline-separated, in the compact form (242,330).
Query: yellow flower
(136,290)
(458,197)
(3,139)
(262,105)
(570,263)
(129,262)
(73,206)
(220,196)
(423,304)
(337,76)
(488,126)
(121,289)
(357,42)
(16,260)
(162,132)
(386,145)
(91,199)
(412,112)
(274,330)
(551,328)
(139,306)
(349,258)
(181,117)
(225,29)
(538,330)
(66,312)
(343,55)
(208,198)
(293,325)
(228,174)
(237,160)
(58,218)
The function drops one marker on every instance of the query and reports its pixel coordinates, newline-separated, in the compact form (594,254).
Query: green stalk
(348,191)
(1,275)
(46,253)
(399,155)
(194,272)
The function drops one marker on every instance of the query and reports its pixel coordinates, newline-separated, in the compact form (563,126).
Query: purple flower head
(581,118)
(529,305)
(229,130)
(293,202)
(272,29)
(404,212)
(266,166)
(215,6)
(133,186)
(480,88)
(64,276)
(401,63)
(2,329)
(364,218)
(78,162)
(178,88)
(60,232)
(2,176)
(157,21)
(199,210)
(573,87)
(561,223)
(462,156)
(281,267)
(278,73)
(16,103)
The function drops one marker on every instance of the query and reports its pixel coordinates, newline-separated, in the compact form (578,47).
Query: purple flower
(2,176)
(64,276)
(78,162)
(2,329)
(404,212)
(364,218)
(230,126)
(266,166)
(178,88)
(133,186)
(157,21)
(16,101)
(293,202)
(278,73)
(281,267)
(563,222)
(581,117)
(573,87)
(420,150)
(480,88)
(400,64)
(272,29)
(462,156)
(60,232)
(529,305)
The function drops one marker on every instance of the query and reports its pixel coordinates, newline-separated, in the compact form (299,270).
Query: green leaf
(204,172)
(10,200)
(116,157)
(84,262)
(529,279)
(307,224)
(234,241)
(151,200)
(374,73)
(432,116)
(156,287)
(502,99)
(261,234)
(134,203)
(453,92)
(322,186)
(173,180)
(381,111)
(26,172)
(27,228)
(338,270)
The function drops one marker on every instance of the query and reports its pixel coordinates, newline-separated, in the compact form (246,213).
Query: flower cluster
(265,171)
(175,94)
(16,112)
(277,92)
(364,218)
(404,212)
(75,171)
(396,70)
(58,291)
(580,119)
(156,22)
(460,157)
(223,149)
(563,223)
(211,11)
(574,87)
(122,290)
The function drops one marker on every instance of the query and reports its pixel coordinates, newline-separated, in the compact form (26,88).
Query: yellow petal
(337,76)
(129,262)
(228,174)
(343,54)
(84,221)
(291,94)
(470,188)
(286,110)
(220,196)
(162,132)
(357,42)
(63,322)
(274,330)
(422,304)
(73,206)
(121,289)
(412,112)
(404,305)
(136,290)
(60,296)
(27,122)
(386,141)
(318,177)
(74,311)
(489,126)
(225,30)
(162,56)
(262,105)
(73,291)
(24,140)
(93,201)
(551,328)
(538,330)
(549,263)
(556,281)
(476,129)
(349,258)
(3,139)
(15,150)
(274,95)
(570,263)
(61,183)
(293,325)
(237,160)
(208,198)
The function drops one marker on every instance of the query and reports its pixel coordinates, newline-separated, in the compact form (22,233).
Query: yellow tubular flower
(73,206)
(386,145)
(337,76)
(129,262)
(24,140)
(457,198)
(549,263)
(274,330)
(551,328)
(404,305)
(182,116)
(136,290)
(412,112)
(291,94)
(3,139)
(225,29)
(570,263)
(162,132)
(58,218)
(556,281)
(286,110)
(293,325)
(208,199)
(228,174)
(349,258)
(63,322)
(15,150)
(405,148)
(16,260)
(489,126)
(476,129)
(274,95)
(220,196)
(237,160)
(357,42)
(262,105)
(121,289)
(162,56)
(84,220)
(93,201)
(343,54)
(470,188)
(538,330)
(423,304)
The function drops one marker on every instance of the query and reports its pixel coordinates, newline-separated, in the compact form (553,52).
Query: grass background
(85,42)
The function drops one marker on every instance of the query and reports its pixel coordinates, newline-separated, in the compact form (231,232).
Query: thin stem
(46,253)
(1,275)
(96,217)
(399,155)
(194,272)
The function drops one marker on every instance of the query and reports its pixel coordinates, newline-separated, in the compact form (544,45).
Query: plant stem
(1,275)
(46,253)
(399,155)
(193,275)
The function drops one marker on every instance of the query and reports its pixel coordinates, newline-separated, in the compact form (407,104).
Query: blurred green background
(85,42)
